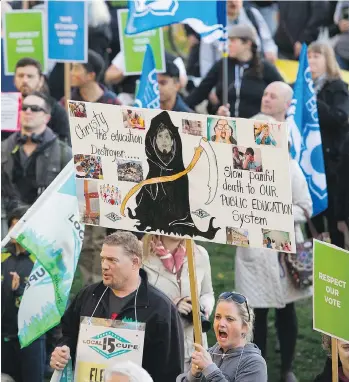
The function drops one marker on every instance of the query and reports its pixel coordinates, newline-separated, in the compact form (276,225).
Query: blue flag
(148,95)
(305,137)
(207,18)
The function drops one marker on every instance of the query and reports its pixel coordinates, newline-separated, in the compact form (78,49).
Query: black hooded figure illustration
(165,206)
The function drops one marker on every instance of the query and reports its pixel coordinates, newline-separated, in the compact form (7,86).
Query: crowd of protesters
(151,276)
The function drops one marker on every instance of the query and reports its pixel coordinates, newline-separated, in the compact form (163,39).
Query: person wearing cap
(248,75)
(126,85)
(240,12)
(85,82)
(169,86)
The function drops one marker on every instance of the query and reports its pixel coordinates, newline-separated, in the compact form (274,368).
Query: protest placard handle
(56,376)
(189,245)
(66,83)
(334,350)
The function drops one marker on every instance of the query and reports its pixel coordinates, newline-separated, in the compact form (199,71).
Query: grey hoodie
(236,365)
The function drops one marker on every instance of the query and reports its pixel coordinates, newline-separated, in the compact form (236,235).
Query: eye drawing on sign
(163,199)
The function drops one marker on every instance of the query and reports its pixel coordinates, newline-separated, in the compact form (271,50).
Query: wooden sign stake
(334,347)
(67,88)
(25,4)
(194,291)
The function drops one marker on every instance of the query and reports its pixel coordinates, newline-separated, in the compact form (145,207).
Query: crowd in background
(259,33)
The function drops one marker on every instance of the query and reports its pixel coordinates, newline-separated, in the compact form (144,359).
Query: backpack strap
(249,12)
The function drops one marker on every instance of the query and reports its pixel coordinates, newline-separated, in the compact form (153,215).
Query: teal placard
(24,36)
(331,290)
(134,47)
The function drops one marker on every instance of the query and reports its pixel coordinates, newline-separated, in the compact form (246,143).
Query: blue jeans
(24,365)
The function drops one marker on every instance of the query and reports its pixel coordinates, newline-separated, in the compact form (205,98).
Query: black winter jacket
(244,93)
(163,353)
(326,375)
(342,195)
(46,162)
(10,300)
(333,110)
(299,21)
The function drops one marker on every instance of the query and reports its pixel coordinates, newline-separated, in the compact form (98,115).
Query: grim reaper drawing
(163,200)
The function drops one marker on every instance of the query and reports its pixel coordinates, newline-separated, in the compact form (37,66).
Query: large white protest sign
(104,342)
(203,177)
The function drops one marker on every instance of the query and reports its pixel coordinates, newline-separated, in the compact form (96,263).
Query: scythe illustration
(204,146)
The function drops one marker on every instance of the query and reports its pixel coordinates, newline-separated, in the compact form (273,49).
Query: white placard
(10,106)
(104,342)
(203,177)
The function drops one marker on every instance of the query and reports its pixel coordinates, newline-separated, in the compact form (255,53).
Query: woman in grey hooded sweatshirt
(233,357)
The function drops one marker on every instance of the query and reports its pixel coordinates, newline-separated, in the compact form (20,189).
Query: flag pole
(225,59)
(225,72)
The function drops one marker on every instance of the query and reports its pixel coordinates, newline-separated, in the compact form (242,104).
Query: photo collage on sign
(89,169)
(248,158)
(277,240)
(141,183)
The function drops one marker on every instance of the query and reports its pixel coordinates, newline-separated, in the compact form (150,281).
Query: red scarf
(173,262)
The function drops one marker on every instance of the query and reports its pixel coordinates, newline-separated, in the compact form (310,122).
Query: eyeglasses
(225,127)
(33,108)
(236,297)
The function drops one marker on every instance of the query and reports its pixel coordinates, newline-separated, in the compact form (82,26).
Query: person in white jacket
(166,263)
(261,275)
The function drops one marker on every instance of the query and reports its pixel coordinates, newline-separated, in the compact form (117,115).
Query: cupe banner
(225,180)
(51,231)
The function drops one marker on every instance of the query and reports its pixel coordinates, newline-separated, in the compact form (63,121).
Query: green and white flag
(51,231)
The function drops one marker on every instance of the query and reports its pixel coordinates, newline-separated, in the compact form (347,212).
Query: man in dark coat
(125,294)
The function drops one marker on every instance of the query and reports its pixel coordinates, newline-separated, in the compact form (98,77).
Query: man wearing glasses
(34,156)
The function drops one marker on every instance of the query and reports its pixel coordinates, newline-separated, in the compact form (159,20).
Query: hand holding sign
(201,358)
(60,357)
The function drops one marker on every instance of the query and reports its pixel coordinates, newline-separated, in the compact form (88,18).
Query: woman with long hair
(234,357)
(248,76)
(165,261)
(333,109)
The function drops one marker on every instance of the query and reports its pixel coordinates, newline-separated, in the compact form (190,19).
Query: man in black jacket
(33,157)
(125,293)
(28,78)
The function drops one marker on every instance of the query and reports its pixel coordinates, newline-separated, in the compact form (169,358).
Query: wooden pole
(334,347)
(25,4)
(67,88)
(194,291)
